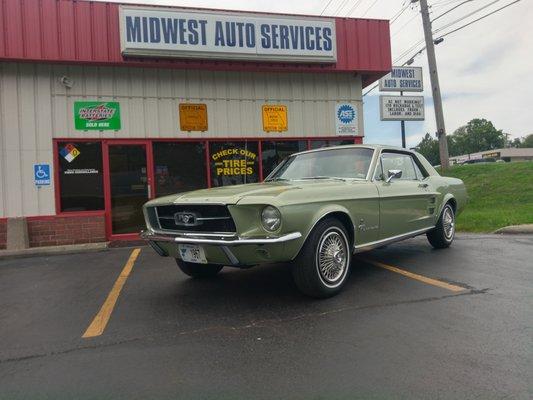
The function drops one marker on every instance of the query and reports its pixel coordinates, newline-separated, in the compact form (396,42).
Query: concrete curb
(53,250)
(526,229)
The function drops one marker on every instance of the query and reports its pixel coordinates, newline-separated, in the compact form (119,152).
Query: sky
(485,70)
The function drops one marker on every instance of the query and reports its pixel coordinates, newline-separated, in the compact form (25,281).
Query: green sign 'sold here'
(96,115)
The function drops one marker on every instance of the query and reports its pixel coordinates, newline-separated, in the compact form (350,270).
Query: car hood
(234,194)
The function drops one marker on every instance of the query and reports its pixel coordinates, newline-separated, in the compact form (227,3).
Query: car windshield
(349,163)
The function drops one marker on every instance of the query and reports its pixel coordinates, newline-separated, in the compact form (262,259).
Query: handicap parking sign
(41,174)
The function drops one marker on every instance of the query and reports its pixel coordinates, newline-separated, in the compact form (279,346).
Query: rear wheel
(322,267)
(444,232)
(200,271)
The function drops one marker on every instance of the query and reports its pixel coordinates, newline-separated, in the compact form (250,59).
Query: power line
(446,34)
(326,7)
(399,14)
(466,16)
(357,3)
(479,19)
(368,9)
(451,9)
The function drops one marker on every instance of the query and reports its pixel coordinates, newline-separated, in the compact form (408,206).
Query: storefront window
(317,144)
(233,163)
(179,167)
(80,176)
(272,153)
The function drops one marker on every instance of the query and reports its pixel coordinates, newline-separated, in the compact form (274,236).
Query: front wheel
(200,271)
(322,267)
(444,232)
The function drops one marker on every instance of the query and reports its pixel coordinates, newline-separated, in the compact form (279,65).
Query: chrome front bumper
(224,242)
(217,241)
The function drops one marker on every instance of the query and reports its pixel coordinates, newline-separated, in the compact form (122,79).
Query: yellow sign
(193,117)
(234,161)
(274,118)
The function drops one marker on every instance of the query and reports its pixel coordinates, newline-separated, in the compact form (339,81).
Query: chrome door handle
(423,185)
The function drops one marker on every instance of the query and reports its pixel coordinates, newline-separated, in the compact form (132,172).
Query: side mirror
(394,174)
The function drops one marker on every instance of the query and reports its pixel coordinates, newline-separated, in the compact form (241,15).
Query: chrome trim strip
(211,218)
(170,232)
(392,239)
(236,241)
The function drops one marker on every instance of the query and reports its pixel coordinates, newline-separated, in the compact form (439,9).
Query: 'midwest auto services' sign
(402,79)
(184,34)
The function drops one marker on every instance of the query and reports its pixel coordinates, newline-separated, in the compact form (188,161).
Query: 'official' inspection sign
(179,33)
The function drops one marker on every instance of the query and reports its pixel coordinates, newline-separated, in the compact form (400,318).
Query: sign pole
(403,128)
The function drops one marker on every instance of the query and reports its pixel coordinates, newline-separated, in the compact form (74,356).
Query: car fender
(319,215)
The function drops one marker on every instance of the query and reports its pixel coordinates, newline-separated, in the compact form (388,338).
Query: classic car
(315,210)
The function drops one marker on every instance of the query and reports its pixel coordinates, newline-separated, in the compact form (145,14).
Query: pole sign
(41,174)
(160,32)
(346,119)
(96,115)
(401,108)
(402,79)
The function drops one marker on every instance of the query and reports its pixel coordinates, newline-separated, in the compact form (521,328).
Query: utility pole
(434,76)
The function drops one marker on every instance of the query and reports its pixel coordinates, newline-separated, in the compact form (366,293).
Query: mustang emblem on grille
(186,219)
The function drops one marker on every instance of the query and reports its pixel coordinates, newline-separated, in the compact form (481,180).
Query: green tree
(429,148)
(477,135)
(527,141)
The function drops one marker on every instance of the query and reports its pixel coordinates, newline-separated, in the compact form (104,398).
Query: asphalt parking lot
(412,323)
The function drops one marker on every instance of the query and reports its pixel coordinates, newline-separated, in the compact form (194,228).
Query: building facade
(92,126)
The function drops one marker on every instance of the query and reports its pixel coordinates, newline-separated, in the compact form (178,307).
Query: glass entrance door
(129,187)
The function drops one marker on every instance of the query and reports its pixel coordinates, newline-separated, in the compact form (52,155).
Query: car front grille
(192,218)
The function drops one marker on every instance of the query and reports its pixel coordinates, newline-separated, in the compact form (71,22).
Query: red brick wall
(3,233)
(63,230)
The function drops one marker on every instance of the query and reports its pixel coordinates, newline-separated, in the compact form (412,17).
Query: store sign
(495,154)
(402,79)
(275,118)
(96,115)
(193,117)
(346,123)
(234,161)
(401,108)
(41,173)
(159,32)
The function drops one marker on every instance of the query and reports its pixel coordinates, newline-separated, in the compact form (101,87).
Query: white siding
(35,107)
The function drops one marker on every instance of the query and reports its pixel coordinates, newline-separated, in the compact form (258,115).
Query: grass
(500,194)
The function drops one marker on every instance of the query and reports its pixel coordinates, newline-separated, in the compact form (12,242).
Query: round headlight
(271,218)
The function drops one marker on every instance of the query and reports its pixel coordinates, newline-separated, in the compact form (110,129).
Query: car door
(404,202)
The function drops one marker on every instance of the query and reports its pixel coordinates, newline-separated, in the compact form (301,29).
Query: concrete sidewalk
(524,229)
(53,250)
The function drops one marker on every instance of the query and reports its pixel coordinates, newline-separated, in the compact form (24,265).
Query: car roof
(357,146)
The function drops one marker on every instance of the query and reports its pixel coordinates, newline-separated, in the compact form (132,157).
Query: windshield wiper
(277,179)
(323,177)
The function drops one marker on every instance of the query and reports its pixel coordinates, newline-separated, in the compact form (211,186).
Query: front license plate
(192,253)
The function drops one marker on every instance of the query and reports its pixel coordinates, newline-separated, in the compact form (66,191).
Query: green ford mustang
(315,210)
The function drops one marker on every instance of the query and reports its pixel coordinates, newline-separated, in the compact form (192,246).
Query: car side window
(403,162)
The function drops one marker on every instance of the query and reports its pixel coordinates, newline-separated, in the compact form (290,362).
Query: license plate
(192,253)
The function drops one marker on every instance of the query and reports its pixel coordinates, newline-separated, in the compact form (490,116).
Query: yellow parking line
(102,318)
(425,279)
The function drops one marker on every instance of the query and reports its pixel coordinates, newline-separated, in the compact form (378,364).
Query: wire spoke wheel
(332,257)
(448,223)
